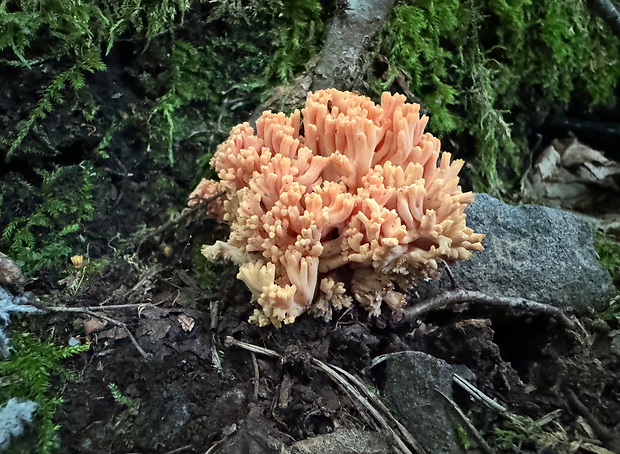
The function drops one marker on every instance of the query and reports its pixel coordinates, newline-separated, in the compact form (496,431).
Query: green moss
(487,68)
(612,312)
(608,250)
(515,430)
(270,41)
(194,94)
(43,222)
(77,34)
(122,424)
(413,41)
(27,374)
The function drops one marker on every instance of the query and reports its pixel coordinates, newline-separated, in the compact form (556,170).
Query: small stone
(9,271)
(73,342)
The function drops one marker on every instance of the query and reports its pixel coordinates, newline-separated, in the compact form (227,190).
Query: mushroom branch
(342,201)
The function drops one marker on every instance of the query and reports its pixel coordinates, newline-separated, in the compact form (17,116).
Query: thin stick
(251,347)
(468,296)
(213,308)
(450,274)
(356,396)
(110,308)
(454,409)
(92,313)
(256,375)
(113,307)
(599,428)
(215,445)
(404,433)
(152,271)
(478,395)
(181,449)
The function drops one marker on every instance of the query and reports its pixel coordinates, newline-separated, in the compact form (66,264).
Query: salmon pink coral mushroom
(345,200)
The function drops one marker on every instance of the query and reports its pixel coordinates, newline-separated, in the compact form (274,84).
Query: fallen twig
(256,376)
(468,296)
(602,431)
(522,424)
(354,393)
(464,421)
(181,449)
(450,274)
(251,347)
(114,307)
(403,432)
(151,272)
(213,309)
(95,313)
(478,395)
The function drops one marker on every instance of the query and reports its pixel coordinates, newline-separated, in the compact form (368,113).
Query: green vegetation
(486,68)
(270,40)
(612,312)
(517,430)
(189,92)
(45,220)
(27,374)
(119,397)
(608,250)
(76,34)
(123,423)
(461,435)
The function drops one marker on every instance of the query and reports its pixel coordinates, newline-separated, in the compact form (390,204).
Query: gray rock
(342,441)
(533,252)
(411,381)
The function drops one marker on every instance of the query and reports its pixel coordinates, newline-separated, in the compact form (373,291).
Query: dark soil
(191,392)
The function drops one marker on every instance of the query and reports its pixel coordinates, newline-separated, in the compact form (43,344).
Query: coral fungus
(343,200)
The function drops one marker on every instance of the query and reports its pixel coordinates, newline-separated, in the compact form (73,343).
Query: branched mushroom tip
(343,191)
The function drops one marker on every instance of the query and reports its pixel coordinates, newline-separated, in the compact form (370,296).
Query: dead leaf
(187,322)
(571,175)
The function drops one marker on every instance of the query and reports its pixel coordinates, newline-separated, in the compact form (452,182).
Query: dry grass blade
(341,377)
(454,409)
(404,433)
(479,395)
